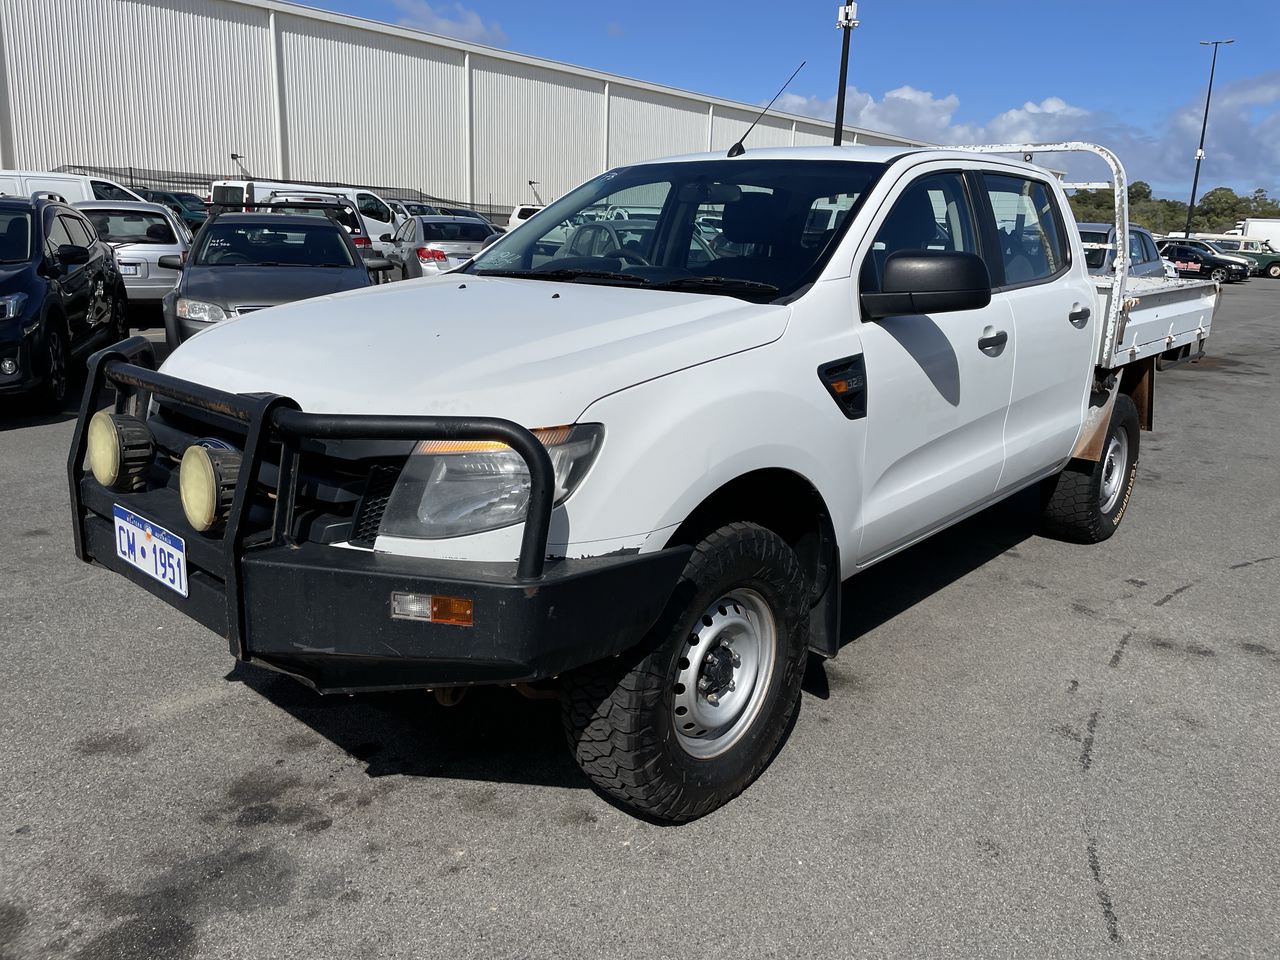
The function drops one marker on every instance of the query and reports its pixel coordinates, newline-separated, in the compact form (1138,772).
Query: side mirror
(71,255)
(377,264)
(929,281)
(170,261)
(385,237)
(491,238)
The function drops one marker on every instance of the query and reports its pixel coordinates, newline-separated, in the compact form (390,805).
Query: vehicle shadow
(497,735)
(897,584)
(494,734)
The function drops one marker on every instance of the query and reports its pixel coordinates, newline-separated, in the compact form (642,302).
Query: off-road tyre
(1076,504)
(620,717)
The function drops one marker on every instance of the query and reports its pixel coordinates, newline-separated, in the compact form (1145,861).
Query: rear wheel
(120,316)
(684,723)
(1087,500)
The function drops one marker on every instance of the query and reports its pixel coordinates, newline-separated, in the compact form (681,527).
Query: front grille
(377,491)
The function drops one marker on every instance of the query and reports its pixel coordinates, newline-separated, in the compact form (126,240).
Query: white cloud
(1243,141)
(449,20)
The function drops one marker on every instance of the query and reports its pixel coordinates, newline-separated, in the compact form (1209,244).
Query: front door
(937,386)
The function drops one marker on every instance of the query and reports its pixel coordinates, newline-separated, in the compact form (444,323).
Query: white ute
(643,465)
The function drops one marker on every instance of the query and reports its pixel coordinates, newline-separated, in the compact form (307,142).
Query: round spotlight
(120,450)
(206,484)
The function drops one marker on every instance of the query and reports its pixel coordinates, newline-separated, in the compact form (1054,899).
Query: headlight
(199,310)
(11,305)
(450,488)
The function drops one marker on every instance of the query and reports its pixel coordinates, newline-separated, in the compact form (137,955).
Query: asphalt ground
(1026,749)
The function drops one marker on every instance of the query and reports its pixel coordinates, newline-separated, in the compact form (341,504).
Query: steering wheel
(627,256)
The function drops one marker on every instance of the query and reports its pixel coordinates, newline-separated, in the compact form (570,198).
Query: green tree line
(1217,211)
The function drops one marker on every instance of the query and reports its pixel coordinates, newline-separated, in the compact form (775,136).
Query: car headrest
(752,218)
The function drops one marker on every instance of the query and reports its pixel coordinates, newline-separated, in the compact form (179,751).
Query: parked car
(1209,249)
(61,296)
(466,213)
(521,213)
(1192,260)
(69,187)
(334,206)
(1266,259)
(413,208)
(188,206)
(245,262)
(424,246)
(1144,258)
(376,215)
(140,233)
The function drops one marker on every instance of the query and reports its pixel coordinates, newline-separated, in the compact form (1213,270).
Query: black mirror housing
(71,254)
(170,261)
(929,281)
(377,264)
(385,237)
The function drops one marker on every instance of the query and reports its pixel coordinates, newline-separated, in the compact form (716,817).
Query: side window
(58,235)
(1149,246)
(402,232)
(81,233)
(102,190)
(1137,254)
(372,207)
(1029,228)
(932,214)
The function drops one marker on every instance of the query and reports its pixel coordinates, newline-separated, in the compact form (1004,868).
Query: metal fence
(145,178)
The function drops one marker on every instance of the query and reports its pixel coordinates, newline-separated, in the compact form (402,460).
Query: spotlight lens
(104,449)
(198,488)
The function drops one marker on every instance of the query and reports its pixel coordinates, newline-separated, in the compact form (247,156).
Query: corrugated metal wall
(181,84)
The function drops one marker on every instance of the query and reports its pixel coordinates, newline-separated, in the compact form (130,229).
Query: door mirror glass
(929,281)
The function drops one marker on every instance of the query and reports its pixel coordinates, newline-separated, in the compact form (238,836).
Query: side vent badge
(846,381)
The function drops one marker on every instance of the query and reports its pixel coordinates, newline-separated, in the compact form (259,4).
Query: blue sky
(1131,76)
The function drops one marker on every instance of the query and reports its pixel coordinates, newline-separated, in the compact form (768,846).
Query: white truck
(380,220)
(1260,228)
(641,473)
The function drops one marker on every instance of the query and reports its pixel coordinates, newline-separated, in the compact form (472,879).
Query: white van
(72,187)
(379,219)
(521,213)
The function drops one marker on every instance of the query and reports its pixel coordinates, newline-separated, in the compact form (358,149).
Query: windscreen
(292,245)
(344,215)
(190,201)
(15,236)
(131,226)
(756,229)
(454,232)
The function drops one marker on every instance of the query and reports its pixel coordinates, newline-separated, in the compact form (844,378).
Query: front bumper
(323,613)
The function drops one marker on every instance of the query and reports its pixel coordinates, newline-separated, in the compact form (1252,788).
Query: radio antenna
(738,149)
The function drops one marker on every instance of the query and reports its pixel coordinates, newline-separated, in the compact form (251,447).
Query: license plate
(128,269)
(151,548)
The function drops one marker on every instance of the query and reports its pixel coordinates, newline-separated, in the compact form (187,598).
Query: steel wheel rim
(57,368)
(722,679)
(1115,465)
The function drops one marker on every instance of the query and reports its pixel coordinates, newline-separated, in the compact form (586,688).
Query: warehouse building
(308,95)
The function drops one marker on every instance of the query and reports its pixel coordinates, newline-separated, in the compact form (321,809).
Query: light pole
(1195,180)
(846,20)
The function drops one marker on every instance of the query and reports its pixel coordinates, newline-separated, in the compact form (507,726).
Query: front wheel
(1087,500)
(1218,275)
(684,723)
(1273,271)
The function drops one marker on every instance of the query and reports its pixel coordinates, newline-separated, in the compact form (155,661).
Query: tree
(1218,210)
(1139,190)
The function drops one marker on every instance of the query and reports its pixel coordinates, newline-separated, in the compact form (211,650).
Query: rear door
(73,280)
(100,271)
(937,386)
(1050,301)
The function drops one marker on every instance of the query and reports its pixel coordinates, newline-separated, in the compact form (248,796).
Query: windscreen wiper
(612,276)
(716,283)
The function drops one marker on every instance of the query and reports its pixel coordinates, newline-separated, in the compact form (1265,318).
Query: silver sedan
(141,234)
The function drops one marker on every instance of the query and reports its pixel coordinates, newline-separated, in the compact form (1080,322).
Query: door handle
(993,345)
(1079,317)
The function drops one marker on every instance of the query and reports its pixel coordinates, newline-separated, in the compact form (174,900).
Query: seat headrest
(752,218)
